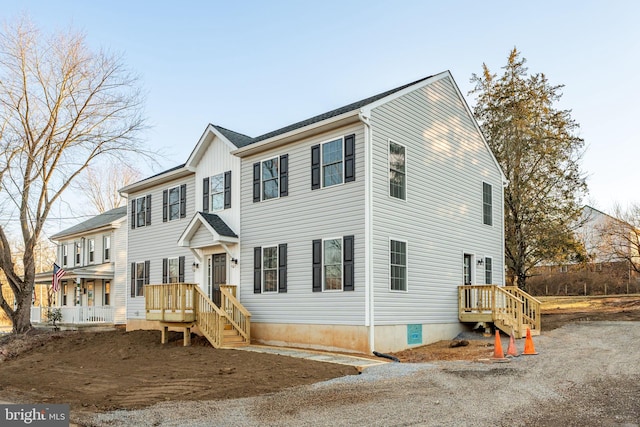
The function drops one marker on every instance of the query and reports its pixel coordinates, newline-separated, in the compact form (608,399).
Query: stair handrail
(237,315)
(531,306)
(513,309)
(209,318)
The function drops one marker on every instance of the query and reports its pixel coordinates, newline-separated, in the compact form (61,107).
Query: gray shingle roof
(218,224)
(241,140)
(97,221)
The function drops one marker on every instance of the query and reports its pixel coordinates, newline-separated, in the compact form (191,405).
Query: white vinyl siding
(159,241)
(448,159)
(299,219)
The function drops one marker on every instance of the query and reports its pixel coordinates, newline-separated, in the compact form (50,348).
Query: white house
(351,230)
(93,256)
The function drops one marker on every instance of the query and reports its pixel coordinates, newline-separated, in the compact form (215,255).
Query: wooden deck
(509,308)
(185,305)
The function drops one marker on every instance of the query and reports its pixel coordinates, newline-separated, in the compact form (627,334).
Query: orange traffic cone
(529,349)
(512,351)
(498,354)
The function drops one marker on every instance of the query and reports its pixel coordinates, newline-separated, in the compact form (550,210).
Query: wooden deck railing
(186,302)
(509,308)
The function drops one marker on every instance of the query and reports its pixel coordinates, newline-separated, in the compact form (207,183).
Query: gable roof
(218,225)
(220,232)
(102,220)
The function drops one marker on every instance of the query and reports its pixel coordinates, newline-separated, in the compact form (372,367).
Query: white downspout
(368,230)
(505,184)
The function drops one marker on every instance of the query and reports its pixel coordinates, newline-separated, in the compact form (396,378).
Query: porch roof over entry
(219,230)
(91,272)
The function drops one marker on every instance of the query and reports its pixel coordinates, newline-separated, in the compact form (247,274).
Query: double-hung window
(173,270)
(270,269)
(398,265)
(333,262)
(106,244)
(174,203)
(397,171)
(216,192)
(65,255)
(333,162)
(271,178)
(139,277)
(78,253)
(488,271)
(487,204)
(92,250)
(141,211)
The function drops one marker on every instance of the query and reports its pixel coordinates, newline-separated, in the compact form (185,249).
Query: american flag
(57,275)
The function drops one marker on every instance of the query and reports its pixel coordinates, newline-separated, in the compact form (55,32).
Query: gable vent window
(333,162)
(271,178)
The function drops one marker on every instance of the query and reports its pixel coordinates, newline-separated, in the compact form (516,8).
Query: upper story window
(141,211)
(333,162)
(397,171)
(174,203)
(333,262)
(91,249)
(106,245)
(65,255)
(487,204)
(216,192)
(270,269)
(398,265)
(78,253)
(271,178)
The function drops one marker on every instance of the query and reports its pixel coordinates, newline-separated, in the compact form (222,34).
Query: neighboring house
(93,255)
(349,231)
(602,273)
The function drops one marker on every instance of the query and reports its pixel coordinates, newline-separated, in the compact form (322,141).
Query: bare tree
(101,184)
(620,236)
(62,107)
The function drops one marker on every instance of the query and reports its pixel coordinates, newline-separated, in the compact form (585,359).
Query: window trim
(389,142)
(341,238)
(263,270)
(145,278)
(220,193)
(65,255)
(277,178)
(490,205)
(406,266)
(77,254)
(105,293)
(138,212)
(322,165)
(488,260)
(91,251)
(179,204)
(106,248)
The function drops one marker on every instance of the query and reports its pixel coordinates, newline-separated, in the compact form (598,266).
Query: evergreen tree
(537,146)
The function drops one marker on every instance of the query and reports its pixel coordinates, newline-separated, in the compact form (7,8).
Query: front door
(219,275)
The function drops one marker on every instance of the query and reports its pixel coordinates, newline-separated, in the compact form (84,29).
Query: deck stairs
(185,305)
(509,308)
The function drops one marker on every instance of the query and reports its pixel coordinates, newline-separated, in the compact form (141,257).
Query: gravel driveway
(587,374)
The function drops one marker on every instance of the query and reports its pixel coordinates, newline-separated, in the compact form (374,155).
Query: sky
(254,67)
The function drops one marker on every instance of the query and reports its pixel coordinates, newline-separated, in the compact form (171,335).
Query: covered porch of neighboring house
(508,308)
(85,296)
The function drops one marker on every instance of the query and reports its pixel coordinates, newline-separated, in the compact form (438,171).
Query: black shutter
(256,182)
(282,267)
(227,189)
(205,195)
(315,167)
(181,269)
(165,270)
(347,254)
(148,219)
(165,203)
(133,280)
(257,270)
(349,158)
(133,214)
(317,266)
(147,272)
(183,200)
(284,175)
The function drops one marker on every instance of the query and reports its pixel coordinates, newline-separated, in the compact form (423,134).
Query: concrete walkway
(359,363)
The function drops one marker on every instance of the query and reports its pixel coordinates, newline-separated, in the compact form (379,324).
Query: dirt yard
(97,372)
